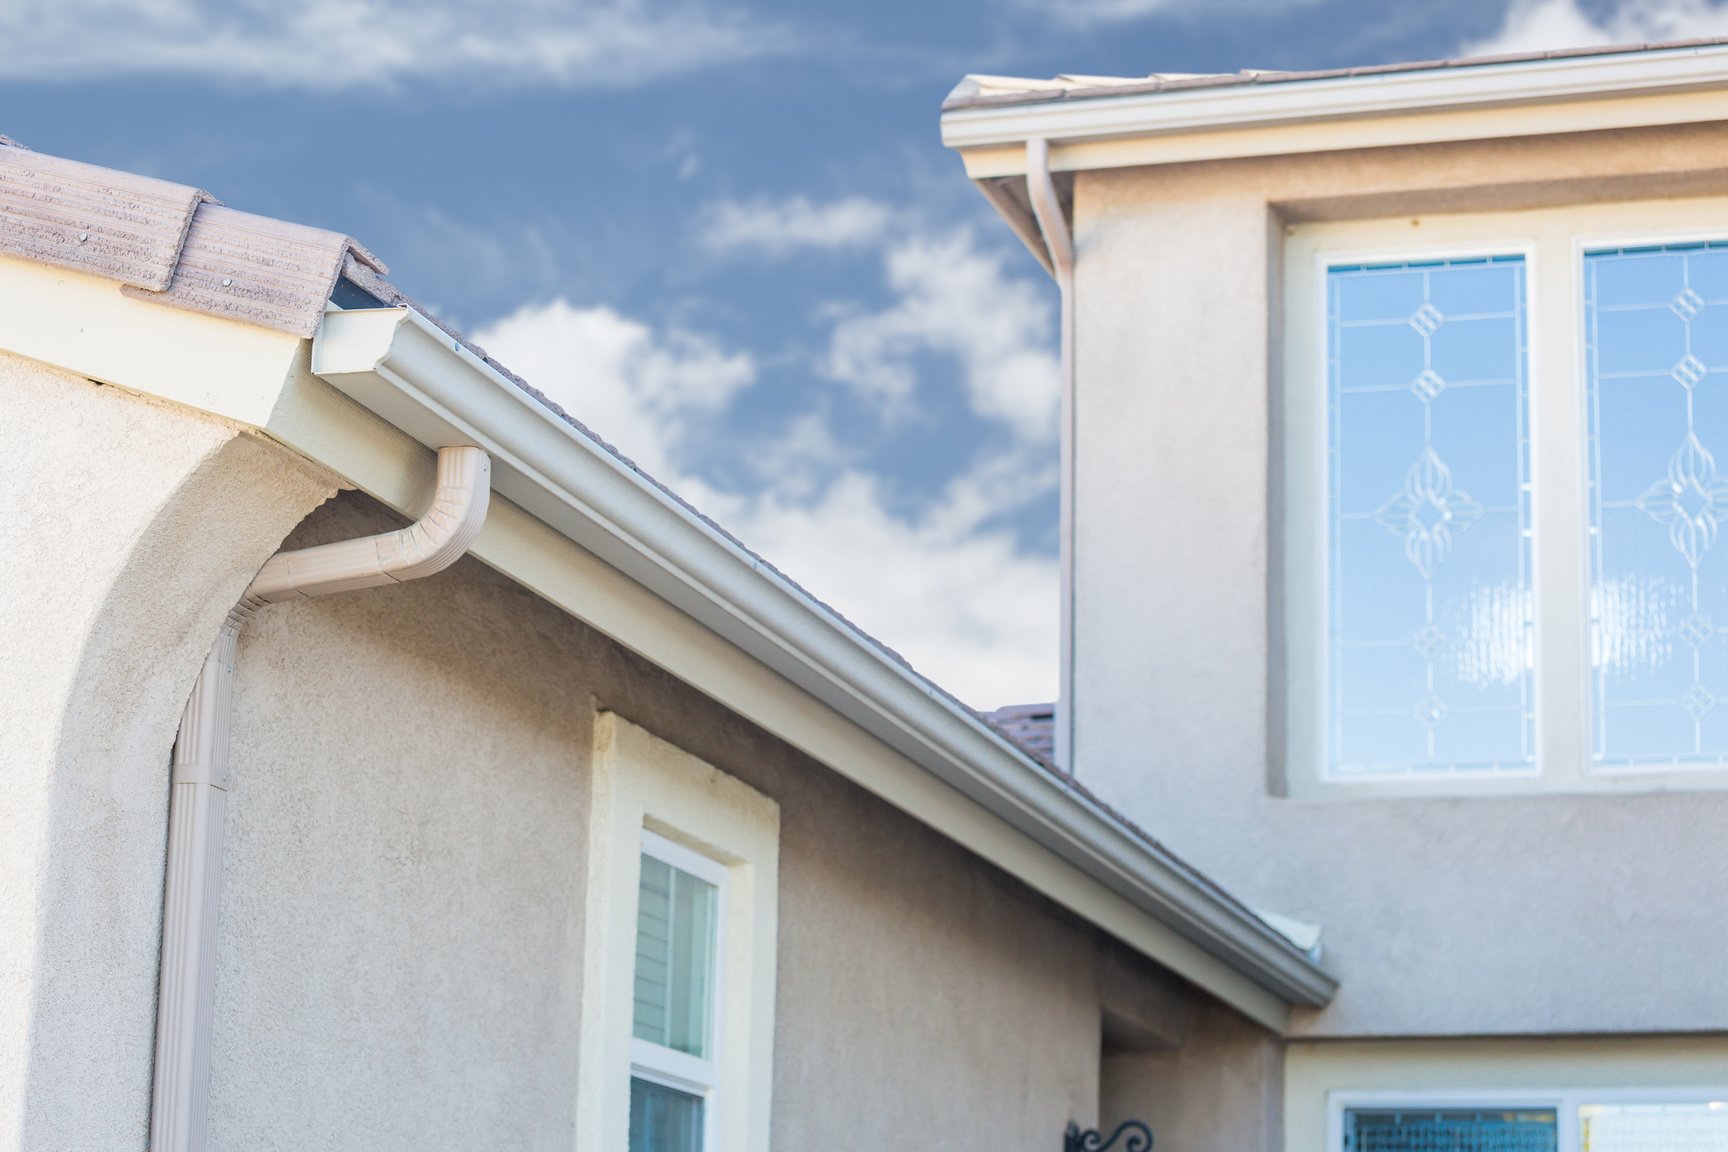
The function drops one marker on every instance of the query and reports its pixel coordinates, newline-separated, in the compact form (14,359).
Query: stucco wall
(1442,916)
(1222,1090)
(401,918)
(127,530)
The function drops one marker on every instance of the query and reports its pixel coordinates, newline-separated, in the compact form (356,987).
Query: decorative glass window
(1570,1120)
(1429,588)
(674,1064)
(1656,341)
(1450,1130)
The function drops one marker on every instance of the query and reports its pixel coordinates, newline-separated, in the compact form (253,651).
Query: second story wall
(1448,910)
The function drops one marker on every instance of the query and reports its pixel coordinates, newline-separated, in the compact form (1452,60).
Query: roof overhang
(1282,114)
(377,390)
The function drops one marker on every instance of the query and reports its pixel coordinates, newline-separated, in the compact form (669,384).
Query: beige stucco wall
(1442,916)
(126,531)
(401,921)
(1222,1090)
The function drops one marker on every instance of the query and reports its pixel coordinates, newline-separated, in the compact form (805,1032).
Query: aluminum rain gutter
(400,366)
(179,1106)
(1100,113)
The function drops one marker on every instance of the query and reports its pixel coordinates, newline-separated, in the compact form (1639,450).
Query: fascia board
(85,325)
(397,365)
(1377,96)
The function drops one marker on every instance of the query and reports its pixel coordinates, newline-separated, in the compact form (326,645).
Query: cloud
(643,391)
(336,45)
(946,586)
(781,227)
(1542,25)
(1087,14)
(956,300)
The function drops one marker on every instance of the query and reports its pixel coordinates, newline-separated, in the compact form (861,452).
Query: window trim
(1565,1102)
(646,791)
(1552,243)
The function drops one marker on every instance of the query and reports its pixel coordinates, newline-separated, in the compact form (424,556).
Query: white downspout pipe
(1047,209)
(199,792)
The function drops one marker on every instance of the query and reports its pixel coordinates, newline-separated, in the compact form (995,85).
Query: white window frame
(1553,243)
(1565,1103)
(696,1075)
(649,796)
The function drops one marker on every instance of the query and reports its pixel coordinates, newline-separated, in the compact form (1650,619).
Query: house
(390,764)
(1395,437)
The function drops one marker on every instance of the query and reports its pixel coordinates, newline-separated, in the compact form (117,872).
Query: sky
(724,235)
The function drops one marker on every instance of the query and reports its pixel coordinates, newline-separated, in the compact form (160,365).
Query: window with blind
(674,1062)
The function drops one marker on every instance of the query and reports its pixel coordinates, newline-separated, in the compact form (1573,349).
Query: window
(1502,501)
(674,1065)
(1417,1129)
(1604,1121)
(678,963)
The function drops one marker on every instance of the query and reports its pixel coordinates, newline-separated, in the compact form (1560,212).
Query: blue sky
(725,235)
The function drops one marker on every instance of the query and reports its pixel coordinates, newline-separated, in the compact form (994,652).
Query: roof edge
(1217,103)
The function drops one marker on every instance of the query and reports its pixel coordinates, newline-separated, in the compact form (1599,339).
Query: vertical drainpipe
(198,803)
(1059,242)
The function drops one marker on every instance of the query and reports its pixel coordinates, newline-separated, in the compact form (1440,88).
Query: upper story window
(1503,500)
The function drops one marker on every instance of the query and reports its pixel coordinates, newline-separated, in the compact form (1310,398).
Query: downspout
(199,792)
(1059,242)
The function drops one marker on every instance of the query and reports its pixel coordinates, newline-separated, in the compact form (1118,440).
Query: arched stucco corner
(135,528)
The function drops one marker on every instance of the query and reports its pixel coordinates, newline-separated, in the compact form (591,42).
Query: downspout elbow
(430,544)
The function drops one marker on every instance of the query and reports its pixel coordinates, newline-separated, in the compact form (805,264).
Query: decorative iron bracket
(1135,1137)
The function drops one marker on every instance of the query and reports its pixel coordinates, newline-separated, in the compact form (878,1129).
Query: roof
(1032,727)
(177,247)
(977,91)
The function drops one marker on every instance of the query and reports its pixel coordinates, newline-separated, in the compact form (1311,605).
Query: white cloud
(642,391)
(1542,25)
(957,300)
(780,227)
(345,44)
(945,587)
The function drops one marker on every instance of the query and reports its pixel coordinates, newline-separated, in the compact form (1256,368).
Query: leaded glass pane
(1701,1127)
(1430,643)
(1450,1130)
(1656,332)
(675,926)
(664,1119)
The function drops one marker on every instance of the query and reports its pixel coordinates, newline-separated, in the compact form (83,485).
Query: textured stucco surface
(401,918)
(1589,913)
(1223,1089)
(128,530)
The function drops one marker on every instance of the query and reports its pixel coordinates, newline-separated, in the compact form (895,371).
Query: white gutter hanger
(180,1094)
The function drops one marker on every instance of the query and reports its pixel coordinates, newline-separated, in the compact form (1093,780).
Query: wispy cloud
(1541,25)
(345,44)
(781,227)
(945,583)
(1088,14)
(955,299)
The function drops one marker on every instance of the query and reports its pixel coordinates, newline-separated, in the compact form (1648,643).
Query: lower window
(1591,1122)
